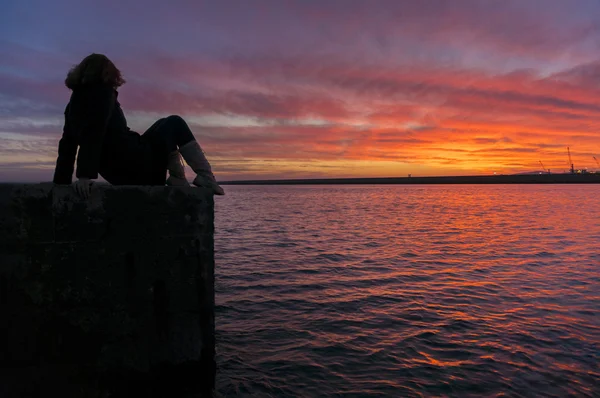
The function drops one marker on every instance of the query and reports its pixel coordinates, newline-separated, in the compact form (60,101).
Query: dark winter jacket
(94,122)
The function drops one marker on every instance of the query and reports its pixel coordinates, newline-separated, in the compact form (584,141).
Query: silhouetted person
(94,122)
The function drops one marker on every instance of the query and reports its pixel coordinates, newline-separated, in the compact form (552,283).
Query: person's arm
(67,149)
(92,114)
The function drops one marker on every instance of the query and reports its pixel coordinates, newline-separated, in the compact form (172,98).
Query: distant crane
(571,161)
(597,162)
(543,168)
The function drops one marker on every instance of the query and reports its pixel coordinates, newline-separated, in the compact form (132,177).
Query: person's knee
(175,119)
(178,130)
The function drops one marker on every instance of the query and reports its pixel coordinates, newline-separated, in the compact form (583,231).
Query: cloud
(433,86)
(587,75)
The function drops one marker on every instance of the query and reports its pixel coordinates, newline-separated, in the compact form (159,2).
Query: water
(408,291)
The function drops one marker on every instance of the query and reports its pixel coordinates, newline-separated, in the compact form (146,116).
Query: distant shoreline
(486,179)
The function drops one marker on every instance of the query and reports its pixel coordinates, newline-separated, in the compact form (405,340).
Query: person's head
(95,68)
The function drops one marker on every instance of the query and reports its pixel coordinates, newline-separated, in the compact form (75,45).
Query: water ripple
(462,291)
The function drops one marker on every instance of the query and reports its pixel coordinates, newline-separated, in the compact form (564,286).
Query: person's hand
(83,187)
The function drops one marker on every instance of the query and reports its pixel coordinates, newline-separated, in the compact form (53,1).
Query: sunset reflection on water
(408,290)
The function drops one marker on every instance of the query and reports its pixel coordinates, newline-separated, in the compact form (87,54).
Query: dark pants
(147,161)
(172,132)
(166,135)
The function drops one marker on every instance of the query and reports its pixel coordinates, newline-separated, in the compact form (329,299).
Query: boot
(194,157)
(176,171)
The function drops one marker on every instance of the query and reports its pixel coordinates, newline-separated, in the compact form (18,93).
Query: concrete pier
(109,297)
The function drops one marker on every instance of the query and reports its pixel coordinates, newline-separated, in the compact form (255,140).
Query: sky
(323,88)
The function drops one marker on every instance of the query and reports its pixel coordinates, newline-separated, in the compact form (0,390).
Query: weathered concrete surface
(113,296)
